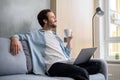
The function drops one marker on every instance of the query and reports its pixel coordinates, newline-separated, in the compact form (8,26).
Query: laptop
(84,55)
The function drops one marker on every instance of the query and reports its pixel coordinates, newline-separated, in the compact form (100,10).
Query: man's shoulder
(36,31)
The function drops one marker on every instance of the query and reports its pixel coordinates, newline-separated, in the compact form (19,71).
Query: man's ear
(45,21)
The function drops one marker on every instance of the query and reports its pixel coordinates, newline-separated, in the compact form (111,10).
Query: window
(112,37)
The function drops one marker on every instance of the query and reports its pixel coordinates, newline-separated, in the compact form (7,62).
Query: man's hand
(14,46)
(69,41)
(70,38)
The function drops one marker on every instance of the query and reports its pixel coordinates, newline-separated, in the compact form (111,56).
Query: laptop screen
(84,55)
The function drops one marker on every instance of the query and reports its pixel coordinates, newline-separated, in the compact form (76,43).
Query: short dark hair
(43,15)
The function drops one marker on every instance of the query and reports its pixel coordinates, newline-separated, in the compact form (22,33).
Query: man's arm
(14,45)
(15,41)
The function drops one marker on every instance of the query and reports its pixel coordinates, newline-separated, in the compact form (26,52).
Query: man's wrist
(13,38)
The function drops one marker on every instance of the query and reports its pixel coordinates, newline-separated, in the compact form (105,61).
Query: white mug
(68,32)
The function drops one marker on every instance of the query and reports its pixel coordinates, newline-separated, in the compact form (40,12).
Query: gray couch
(20,67)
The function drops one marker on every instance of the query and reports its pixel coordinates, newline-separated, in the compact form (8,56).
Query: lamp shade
(99,11)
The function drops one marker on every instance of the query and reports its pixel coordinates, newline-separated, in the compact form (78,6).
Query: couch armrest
(104,67)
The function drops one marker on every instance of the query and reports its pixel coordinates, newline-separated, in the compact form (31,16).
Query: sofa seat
(16,67)
(31,77)
(97,76)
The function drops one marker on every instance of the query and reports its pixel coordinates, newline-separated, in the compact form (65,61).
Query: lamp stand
(93,30)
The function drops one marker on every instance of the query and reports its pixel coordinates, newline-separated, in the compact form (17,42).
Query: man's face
(51,20)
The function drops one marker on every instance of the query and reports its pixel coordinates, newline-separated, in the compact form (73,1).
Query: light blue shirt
(37,44)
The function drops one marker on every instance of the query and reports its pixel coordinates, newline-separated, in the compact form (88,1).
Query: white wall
(20,16)
(77,15)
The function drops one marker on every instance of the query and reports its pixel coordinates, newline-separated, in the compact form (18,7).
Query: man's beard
(54,26)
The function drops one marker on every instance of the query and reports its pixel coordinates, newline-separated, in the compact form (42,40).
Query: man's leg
(68,70)
(92,67)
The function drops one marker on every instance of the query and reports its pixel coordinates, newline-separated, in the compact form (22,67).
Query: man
(48,50)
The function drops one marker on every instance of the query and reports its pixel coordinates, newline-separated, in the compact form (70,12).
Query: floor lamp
(98,12)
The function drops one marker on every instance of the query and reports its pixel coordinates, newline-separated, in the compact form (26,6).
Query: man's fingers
(15,49)
(14,52)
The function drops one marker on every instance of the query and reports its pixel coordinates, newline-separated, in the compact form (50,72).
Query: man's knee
(55,69)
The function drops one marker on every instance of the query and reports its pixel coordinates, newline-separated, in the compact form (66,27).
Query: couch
(19,67)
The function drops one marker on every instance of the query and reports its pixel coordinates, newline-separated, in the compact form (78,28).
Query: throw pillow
(10,64)
(28,55)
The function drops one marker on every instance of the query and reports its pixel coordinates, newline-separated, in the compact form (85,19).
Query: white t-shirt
(53,50)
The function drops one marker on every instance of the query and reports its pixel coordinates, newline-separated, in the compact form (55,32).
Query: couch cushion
(10,64)
(97,76)
(32,77)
